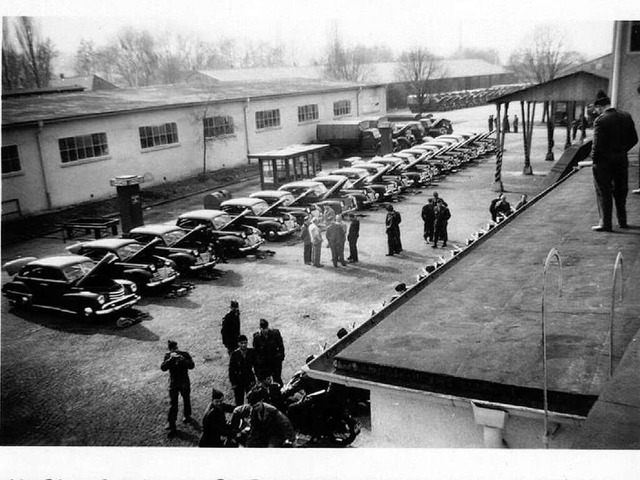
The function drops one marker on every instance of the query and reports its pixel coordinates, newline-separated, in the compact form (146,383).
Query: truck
(354,135)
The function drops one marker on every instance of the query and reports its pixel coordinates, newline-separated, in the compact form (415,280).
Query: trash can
(213,200)
(129,201)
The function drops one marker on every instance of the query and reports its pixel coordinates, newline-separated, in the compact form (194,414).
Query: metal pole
(553,253)
(617,272)
(497,179)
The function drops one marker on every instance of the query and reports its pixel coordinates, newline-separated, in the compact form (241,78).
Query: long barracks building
(62,149)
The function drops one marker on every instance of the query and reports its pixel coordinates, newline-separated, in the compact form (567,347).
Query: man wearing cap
(214,422)
(178,363)
(242,364)
(231,327)
(614,134)
(392,228)
(269,348)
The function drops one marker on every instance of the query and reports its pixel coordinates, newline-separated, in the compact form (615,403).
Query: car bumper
(162,277)
(251,248)
(121,304)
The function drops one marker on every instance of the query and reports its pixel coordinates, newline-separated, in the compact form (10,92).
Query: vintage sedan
(133,261)
(361,178)
(257,213)
(283,201)
(308,192)
(365,196)
(236,239)
(68,283)
(190,250)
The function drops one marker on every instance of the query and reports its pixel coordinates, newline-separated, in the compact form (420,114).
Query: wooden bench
(87,225)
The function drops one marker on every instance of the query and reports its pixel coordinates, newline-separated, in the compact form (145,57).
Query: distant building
(61,150)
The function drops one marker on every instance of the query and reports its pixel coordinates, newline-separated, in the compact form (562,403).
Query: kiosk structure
(289,164)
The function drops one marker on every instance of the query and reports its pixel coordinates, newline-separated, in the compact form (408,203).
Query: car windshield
(128,250)
(173,236)
(77,270)
(220,221)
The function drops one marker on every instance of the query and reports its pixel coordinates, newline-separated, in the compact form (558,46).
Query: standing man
(442,216)
(214,422)
(306,241)
(231,327)
(392,226)
(352,237)
(490,122)
(515,124)
(269,349)
(316,242)
(614,134)
(335,238)
(178,363)
(505,124)
(428,217)
(242,364)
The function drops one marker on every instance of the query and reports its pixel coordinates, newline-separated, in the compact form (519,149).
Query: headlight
(195,253)
(152,268)
(244,234)
(101,299)
(134,288)
(281,220)
(167,263)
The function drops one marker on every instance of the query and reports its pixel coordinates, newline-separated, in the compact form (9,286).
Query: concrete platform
(475,330)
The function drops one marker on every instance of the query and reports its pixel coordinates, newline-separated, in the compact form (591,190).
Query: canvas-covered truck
(350,136)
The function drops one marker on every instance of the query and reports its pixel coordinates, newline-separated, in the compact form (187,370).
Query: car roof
(270,193)
(348,170)
(243,201)
(60,261)
(207,214)
(301,183)
(111,243)
(155,228)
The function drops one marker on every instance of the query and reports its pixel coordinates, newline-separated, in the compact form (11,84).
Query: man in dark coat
(442,216)
(352,236)
(493,207)
(214,422)
(428,217)
(306,241)
(614,134)
(392,227)
(269,347)
(231,327)
(335,236)
(269,426)
(178,363)
(242,365)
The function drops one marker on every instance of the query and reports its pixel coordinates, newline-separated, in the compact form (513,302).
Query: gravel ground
(65,382)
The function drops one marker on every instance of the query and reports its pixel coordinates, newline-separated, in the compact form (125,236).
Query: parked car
(68,283)
(339,184)
(308,192)
(283,201)
(235,238)
(190,250)
(437,126)
(256,212)
(133,261)
(361,178)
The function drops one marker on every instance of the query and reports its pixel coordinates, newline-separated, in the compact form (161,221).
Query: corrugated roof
(19,111)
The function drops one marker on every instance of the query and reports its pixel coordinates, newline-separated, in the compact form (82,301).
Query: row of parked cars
(107,276)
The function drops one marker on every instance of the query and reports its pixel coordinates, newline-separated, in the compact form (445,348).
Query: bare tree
(136,59)
(34,53)
(12,71)
(345,64)
(85,60)
(417,67)
(543,58)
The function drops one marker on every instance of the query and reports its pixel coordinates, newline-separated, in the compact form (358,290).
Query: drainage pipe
(553,253)
(43,172)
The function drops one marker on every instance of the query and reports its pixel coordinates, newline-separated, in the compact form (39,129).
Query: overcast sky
(441,25)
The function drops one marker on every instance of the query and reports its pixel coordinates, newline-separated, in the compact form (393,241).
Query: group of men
(435,215)
(337,233)
(506,125)
(257,368)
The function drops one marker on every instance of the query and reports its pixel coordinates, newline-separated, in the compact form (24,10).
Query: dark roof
(50,90)
(54,108)
(473,328)
(579,87)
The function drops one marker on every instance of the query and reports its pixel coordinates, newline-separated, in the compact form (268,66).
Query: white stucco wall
(88,180)
(404,418)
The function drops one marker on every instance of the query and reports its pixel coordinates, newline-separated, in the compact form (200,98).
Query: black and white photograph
(363,240)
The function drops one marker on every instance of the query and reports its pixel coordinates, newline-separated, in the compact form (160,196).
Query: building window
(158,135)
(267,118)
(634,44)
(217,126)
(308,112)
(10,159)
(341,107)
(82,147)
